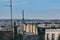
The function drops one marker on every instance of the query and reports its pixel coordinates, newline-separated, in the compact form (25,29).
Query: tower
(22,14)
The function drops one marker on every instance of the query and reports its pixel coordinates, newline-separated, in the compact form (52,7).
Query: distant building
(30,25)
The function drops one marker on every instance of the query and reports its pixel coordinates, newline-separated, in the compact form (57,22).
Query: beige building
(52,34)
(31,27)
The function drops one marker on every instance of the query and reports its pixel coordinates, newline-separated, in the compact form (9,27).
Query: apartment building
(52,34)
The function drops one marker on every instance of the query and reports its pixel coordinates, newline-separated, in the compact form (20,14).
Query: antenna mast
(11,11)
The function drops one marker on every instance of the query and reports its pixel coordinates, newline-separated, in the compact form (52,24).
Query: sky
(33,9)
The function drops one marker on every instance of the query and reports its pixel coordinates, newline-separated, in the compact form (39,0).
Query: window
(59,36)
(53,36)
(47,36)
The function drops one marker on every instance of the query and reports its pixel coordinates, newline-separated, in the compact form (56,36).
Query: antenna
(10,5)
(11,11)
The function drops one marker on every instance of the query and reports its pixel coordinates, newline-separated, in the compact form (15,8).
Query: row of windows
(53,37)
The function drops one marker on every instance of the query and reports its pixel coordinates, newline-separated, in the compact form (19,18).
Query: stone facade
(52,34)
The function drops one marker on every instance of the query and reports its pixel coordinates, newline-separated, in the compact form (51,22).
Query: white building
(52,34)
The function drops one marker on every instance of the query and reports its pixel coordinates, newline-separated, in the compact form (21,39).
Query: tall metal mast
(11,11)
(10,5)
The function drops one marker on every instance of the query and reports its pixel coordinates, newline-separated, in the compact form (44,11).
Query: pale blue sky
(34,9)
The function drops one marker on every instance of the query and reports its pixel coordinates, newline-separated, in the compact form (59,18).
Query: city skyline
(34,9)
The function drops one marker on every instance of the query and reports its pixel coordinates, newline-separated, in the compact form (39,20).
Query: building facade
(52,34)
(31,27)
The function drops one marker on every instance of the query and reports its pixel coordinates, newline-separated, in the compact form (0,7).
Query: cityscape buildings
(45,29)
